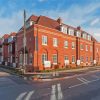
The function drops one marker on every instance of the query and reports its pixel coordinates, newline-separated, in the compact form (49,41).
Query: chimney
(59,20)
(79,28)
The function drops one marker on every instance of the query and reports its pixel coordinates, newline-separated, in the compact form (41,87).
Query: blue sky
(85,13)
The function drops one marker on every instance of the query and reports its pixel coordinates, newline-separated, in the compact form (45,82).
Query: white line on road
(83,80)
(29,95)
(60,94)
(20,97)
(53,93)
(56,93)
(83,83)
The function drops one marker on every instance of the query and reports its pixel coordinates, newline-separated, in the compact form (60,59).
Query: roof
(51,23)
(33,18)
(12,34)
(48,22)
(6,36)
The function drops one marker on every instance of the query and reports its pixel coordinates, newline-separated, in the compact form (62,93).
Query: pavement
(82,87)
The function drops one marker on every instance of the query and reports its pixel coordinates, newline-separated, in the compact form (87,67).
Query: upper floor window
(65,44)
(55,42)
(91,48)
(86,47)
(44,40)
(97,49)
(81,47)
(73,45)
(71,31)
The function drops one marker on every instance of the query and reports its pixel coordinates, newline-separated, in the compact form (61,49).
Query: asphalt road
(83,87)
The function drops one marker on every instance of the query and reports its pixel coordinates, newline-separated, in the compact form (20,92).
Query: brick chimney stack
(59,20)
(79,27)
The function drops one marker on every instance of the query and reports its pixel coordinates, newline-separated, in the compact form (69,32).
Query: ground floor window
(73,59)
(0,59)
(82,59)
(20,58)
(44,58)
(91,59)
(11,59)
(8,59)
(86,59)
(65,57)
(55,59)
(30,58)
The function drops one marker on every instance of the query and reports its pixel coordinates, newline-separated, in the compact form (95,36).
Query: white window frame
(86,47)
(78,34)
(81,46)
(66,44)
(73,60)
(73,45)
(55,42)
(66,57)
(44,40)
(91,48)
(21,58)
(55,58)
(71,31)
(30,58)
(97,50)
(44,57)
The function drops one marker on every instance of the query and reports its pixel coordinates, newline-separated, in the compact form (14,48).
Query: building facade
(7,49)
(52,44)
(49,44)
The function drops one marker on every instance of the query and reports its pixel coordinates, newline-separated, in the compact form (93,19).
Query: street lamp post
(24,43)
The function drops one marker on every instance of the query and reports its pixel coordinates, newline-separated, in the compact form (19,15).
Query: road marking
(60,95)
(20,97)
(29,95)
(73,86)
(56,93)
(53,93)
(83,80)
(76,85)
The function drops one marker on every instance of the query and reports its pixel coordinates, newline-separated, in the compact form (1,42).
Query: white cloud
(75,15)
(95,21)
(78,15)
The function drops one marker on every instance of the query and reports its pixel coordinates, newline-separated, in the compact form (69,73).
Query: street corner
(4,74)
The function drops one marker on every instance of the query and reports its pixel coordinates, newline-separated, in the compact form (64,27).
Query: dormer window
(29,23)
(64,29)
(71,31)
(84,35)
(89,37)
(78,34)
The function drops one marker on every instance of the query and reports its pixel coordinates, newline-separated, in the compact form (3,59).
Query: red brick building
(7,49)
(52,44)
